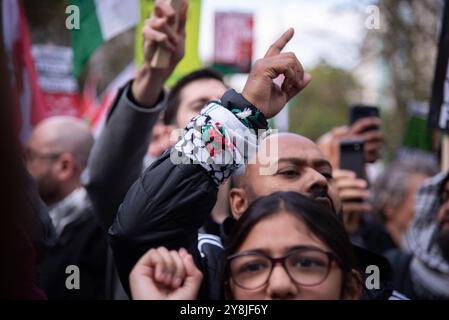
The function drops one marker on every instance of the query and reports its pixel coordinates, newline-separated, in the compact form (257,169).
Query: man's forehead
(206,88)
(43,137)
(287,147)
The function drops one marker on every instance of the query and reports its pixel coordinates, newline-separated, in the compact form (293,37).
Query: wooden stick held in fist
(162,56)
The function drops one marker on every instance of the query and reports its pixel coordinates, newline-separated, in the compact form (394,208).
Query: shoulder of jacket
(397,296)
(209,243)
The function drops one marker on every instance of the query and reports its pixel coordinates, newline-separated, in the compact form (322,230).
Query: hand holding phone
(365,123)
(352,156)
(354,196)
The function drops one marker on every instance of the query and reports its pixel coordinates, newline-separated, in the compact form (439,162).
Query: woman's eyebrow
(255,251)
(304,246)
(285,251)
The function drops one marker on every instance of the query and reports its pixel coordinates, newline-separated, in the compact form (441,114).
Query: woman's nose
(280,285)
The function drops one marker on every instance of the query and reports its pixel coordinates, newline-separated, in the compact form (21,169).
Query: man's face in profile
(194,96)
(299,167)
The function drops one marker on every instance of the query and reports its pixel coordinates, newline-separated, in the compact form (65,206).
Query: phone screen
(358,112)
(352,157)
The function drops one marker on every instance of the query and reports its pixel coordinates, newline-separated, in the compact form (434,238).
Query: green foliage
(324,104)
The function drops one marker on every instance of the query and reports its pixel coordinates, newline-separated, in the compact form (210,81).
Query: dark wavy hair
(173,99)
(322,222)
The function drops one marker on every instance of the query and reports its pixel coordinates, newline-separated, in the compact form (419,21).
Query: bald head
(286,137)
(57,153)
(285,162)
(63,134)
(273,148)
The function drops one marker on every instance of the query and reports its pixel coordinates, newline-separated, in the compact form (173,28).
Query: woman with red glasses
(284,247)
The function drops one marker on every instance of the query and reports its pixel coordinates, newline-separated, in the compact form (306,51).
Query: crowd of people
(228,209)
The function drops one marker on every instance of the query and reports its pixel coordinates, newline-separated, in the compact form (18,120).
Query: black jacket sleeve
(116,159)
(165,207)
(169,203)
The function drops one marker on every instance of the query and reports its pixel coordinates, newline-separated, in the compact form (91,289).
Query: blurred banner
(58,85)
(96,110)
(417,135)
(24,78)
(417,143)
(233,42)
(439,105)
(191,60)
(100,21)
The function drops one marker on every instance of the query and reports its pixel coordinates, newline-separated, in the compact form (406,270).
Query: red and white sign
(58,85)
(233,44)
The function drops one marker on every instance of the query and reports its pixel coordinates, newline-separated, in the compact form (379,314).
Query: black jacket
(167,206)
(82,243)
(115,162)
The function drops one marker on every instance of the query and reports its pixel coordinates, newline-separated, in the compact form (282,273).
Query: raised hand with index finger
(260,88)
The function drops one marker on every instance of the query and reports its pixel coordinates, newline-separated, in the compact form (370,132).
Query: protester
(159,141)
(393,194)
(354,192)
(25,227)
(121,152)
(422,269)
(170,202)
(56,154)
(307,256)
(199,198)
(190,94)
(184,101)
(367,129)
(276,59)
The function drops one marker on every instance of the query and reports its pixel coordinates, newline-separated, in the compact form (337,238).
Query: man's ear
(67,167)
(354,286)
(238,202)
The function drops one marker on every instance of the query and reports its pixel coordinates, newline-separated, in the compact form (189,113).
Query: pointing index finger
(280,43)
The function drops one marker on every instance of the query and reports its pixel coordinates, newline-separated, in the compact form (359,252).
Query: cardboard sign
(233,43)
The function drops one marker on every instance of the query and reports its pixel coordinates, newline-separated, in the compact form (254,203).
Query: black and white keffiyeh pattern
(429,270)
(220,140)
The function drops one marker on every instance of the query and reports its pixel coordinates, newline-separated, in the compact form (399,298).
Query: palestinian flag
(100,21)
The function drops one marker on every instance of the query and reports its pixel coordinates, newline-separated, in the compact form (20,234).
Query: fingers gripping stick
(162,56)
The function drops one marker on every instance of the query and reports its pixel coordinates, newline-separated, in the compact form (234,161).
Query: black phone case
(352,157)
(360,111)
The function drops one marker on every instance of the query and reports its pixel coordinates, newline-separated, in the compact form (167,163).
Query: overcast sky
(324,29)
